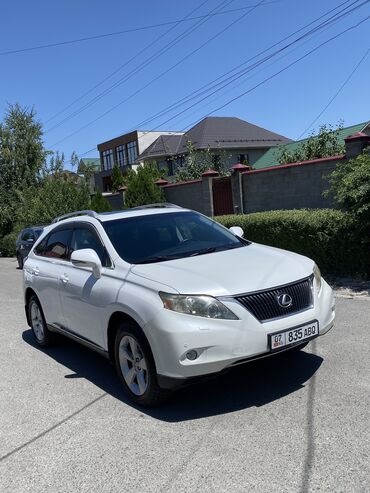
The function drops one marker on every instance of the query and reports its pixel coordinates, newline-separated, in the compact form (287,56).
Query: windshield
(161,237)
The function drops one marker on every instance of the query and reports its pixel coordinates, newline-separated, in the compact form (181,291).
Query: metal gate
(222,196)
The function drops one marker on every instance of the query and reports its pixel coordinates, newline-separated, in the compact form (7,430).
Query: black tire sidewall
(20,261)
(46,340)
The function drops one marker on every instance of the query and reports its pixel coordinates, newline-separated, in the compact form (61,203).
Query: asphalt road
(292,424)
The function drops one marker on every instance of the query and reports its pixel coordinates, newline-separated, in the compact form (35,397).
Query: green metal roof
(270,157)
(91,162)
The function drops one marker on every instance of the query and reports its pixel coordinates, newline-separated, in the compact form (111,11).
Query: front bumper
(223,343)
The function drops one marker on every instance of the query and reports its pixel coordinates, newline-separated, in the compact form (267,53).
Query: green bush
(7,244)
(334,239)
(100,203)
(141,187)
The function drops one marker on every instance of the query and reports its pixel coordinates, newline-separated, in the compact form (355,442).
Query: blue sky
(50,79)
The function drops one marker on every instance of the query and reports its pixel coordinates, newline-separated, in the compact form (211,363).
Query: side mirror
(86,257)
(237,231)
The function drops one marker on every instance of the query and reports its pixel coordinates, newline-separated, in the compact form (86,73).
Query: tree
(74,161)
(141,187)
(326,143)
(33,188)
(117,179)
(22,158)
(350,185)
(198,161)
(100,203)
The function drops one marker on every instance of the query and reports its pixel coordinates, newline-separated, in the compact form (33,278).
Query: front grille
(264,304)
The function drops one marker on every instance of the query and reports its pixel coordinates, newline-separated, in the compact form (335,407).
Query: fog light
(192,355)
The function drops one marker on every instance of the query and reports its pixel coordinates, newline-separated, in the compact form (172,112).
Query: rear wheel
(36,317)
(135,366)
(20,260)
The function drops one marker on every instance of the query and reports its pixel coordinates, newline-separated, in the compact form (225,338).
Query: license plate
(293,336)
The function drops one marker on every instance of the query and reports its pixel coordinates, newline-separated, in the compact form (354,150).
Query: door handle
(64,278)
(36,271)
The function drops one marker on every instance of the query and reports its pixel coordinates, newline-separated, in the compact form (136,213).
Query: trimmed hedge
(334,239)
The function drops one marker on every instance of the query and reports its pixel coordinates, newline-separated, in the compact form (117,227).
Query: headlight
(317,274)
(201,306)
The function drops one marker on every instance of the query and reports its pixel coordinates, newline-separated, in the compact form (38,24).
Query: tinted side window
(39,250)
(25,235)
(58,244)
(87,238)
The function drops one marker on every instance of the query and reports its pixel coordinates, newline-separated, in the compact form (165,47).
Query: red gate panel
(222,196)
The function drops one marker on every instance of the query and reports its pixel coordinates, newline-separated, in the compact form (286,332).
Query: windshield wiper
(202,252)
(214,249)
(158,258)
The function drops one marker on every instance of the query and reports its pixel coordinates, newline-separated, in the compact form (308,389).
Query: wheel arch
(27,296)
(115,320)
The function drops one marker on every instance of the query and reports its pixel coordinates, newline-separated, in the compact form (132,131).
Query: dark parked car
(25,242)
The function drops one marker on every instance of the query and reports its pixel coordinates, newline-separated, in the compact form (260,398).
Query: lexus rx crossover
(169,295)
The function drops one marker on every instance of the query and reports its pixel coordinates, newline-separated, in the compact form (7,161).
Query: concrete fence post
(207,190)
(237,186)
(356,143)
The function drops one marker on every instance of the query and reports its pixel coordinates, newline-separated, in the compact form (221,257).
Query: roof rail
(156,206)
(74,214)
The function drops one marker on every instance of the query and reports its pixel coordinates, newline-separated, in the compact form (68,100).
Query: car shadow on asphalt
(255,384)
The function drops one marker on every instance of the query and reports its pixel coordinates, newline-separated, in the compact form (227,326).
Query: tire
(43,336)
(20,261)
(136,367)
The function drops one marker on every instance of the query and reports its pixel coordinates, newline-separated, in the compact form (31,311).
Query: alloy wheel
(37,322)
(133,365)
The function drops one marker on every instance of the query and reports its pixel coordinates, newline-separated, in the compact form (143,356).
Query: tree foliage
(325,144)
(141,187)
(198,161)
(100,203)
(117,178)
(350,185)
(34,186)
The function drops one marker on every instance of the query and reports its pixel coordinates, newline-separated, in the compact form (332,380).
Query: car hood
(241,270)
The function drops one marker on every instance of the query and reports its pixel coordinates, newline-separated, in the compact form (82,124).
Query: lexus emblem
(284,300)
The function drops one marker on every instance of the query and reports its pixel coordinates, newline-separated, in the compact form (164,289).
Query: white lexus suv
(170,295)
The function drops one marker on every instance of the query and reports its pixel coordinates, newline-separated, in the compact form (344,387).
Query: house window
(243,158)
(107,159)
(121,155)
(131,152)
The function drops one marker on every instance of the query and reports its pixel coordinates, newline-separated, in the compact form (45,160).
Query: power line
(116,33)
(277,73)
(152,43)
(334,17)
(161,74)
(349,77)
(241,73)
(143,64)
(280,71)
(203,90)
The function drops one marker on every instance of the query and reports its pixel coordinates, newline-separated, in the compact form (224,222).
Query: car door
(26,242)
(46,266)
(84,298)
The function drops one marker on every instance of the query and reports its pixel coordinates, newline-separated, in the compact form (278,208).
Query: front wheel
(135,366)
